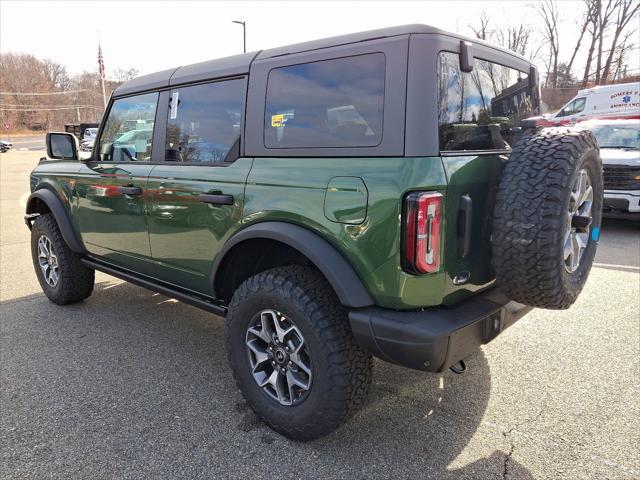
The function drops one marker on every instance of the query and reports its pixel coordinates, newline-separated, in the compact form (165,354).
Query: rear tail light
(421,232)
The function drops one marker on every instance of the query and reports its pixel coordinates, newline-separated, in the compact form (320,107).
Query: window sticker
(277,120)
(140,145)
(174,105)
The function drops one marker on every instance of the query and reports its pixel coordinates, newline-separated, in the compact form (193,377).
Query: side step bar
(155,286)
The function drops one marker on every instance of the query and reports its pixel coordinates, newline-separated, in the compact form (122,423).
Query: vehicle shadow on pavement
(137,385)
(422,422)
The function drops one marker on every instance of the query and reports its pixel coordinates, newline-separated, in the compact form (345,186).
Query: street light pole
(244,34)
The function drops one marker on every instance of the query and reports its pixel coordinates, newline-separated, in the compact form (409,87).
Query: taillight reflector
(421,232)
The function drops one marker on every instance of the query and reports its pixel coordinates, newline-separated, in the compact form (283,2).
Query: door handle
(130,190)
(465,218)
(219,199)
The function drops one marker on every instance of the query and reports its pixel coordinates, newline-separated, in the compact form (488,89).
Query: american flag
(100,62)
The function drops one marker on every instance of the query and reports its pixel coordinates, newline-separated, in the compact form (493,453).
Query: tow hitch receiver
(459,367)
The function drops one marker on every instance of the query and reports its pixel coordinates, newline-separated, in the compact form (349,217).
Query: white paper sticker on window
(141,145)
(174,105)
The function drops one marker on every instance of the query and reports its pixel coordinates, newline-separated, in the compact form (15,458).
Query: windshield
(617,136)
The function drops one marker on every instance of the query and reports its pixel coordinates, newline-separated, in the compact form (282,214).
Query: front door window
(128,131)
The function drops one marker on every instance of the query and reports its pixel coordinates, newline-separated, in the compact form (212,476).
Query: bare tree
(483,32)
(515,38)
(37,93)
(584,24)
(626,11)
(548,11)
(594,8)
(622,51)
(604,19)
(124,75)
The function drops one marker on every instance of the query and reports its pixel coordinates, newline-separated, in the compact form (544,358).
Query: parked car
(619,142)
(79,129)
(87,145)
(89,134)
(369,194)
(5,146)
(620,101)
(88,139)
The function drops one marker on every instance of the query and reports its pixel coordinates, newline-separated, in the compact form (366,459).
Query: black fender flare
(338,272)
(60,214)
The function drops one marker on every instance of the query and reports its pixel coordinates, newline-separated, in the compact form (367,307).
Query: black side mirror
(105,154)
(62,146)
(533,76)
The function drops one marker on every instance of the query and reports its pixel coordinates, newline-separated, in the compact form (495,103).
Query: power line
(30,107)
(68,92)
(39,109)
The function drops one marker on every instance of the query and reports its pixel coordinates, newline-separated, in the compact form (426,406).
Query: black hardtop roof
(240,64)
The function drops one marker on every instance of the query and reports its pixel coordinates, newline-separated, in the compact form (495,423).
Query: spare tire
(547,217)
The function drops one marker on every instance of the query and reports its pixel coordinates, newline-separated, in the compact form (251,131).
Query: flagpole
(104,95)
(101,72)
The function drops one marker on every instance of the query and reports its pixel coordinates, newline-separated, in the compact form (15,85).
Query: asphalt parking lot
(131,384)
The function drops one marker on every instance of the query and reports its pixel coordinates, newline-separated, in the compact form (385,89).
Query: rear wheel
(547,217)
(292,352)
(62,276)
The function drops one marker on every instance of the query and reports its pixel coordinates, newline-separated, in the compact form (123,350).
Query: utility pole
(244,34)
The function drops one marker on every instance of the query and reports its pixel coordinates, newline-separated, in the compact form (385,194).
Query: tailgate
(468,213)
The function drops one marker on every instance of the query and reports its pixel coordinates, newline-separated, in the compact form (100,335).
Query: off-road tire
(342,370)
(529,224)
(75,281)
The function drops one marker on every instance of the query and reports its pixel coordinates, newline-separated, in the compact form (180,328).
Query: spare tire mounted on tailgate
(547,217)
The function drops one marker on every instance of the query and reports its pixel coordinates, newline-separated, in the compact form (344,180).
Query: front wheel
(62,276)
(292,352)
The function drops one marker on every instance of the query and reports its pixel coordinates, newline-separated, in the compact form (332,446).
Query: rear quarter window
(329,103)
(482,109)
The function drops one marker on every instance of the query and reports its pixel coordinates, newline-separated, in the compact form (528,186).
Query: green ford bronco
(379,193)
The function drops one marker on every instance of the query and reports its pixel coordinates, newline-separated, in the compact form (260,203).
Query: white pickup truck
(619,142)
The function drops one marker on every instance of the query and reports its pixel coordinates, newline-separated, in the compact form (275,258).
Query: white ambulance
(620,101)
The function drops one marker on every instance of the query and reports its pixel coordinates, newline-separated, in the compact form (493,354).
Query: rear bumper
(432,340)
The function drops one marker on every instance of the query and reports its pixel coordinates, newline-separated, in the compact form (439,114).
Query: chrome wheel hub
(279,357)
(578,221)
(48,261)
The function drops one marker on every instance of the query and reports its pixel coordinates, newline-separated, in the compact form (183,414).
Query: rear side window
(482,109)
(204,122)
(330,103)
(128,132)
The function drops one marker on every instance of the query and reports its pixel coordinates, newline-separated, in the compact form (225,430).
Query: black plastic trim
(60,214)
(434,339)
(339,273)
(466,56)
(156,286)
(465,219)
